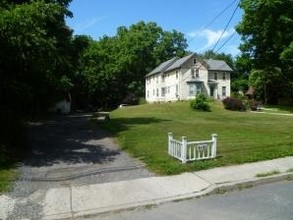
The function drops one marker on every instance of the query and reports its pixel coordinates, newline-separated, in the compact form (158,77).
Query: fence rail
(192,150)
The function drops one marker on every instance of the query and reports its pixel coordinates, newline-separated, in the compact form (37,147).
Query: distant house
(183,78)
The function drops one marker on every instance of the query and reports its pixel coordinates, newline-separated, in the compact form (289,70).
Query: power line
(229,38)
(226,26)
(212,21)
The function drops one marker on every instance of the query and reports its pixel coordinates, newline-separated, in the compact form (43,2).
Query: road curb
(232,186)
(211,190)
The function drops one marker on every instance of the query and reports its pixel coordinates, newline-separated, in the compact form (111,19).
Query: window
(197,73)
(157,79)
(157,92)
(163,78)
(198,88)
(215,76)
(176,74)
(192,73)
(154,92)
(224,76)
(194,60)
(192,89)
(168,89)
(177,89)
(224,91)
(148,94)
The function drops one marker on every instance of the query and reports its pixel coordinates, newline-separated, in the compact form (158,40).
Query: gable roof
(218,65)
(179,63)
(162,67)
(176,63)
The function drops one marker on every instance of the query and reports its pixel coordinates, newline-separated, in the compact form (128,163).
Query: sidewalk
(68,203)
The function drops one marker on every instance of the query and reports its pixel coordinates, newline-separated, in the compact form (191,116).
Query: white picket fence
(192,150)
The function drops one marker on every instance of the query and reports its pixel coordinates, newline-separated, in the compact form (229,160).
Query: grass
(290,170)
(274,172)
(6,177)
(242,136)
(278,109)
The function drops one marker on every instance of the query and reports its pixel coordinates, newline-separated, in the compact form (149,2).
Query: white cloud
(210,36)
(88,24)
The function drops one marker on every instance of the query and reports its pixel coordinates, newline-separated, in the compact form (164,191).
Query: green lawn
(278,109)
(242,136)
(6,177)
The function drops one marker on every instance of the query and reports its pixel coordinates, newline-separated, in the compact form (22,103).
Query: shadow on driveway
(70,140)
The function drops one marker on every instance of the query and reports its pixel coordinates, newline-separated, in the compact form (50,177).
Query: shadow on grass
(118,125)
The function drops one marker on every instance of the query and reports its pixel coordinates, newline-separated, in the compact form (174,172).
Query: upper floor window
(197,73)
(192,73)
(176,74)
(215,76)
(224,76)
(194,61)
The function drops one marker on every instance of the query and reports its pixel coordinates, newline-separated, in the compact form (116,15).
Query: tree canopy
(35,61)
(113,68)
(266,30)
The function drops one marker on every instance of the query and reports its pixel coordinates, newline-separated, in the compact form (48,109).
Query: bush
(200,103)
(253,105)
(233,104)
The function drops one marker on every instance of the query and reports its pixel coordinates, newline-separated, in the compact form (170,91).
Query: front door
(212,91)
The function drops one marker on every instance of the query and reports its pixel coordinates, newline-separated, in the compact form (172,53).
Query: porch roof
(211,81)
(195,80)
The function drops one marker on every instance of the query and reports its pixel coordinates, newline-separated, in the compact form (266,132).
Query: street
(269,201)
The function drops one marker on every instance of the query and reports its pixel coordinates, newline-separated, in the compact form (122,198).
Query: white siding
(167,82)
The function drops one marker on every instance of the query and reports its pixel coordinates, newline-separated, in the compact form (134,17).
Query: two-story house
(183,78)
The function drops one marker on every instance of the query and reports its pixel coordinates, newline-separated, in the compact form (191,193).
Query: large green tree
(35,61)
(114,67)
(266,30)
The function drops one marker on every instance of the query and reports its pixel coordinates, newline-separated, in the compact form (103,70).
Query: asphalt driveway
(69,151)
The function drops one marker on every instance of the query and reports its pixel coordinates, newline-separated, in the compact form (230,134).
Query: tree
(266,30)
(209,54)
(35,62)
(114,67)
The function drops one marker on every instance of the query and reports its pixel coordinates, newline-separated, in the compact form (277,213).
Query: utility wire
(212,21)
(226,26)
(226,41)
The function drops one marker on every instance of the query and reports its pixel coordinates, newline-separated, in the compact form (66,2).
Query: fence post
(170,137)
(214,146)
(184,149)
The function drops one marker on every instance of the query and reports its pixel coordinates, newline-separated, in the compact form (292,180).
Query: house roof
(219,65)
(162,67)
(176,63)
(179,63)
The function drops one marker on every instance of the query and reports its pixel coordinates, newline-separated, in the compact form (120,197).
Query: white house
(183,78)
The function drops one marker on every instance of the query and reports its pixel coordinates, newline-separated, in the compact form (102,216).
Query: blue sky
(191,17)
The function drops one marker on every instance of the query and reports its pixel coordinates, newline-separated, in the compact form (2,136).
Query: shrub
(233,104)
(200,103)
(253,105)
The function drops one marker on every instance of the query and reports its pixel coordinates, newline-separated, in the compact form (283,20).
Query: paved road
(271,201)
(69,151)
